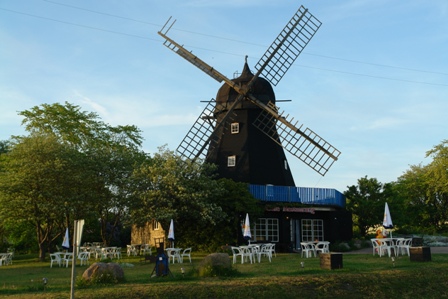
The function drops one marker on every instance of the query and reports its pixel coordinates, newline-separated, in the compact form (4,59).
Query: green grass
(362,276)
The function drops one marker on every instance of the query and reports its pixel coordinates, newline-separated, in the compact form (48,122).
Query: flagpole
(75,246)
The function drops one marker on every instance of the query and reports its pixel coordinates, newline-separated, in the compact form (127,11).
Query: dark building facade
(244,153)
(297,214)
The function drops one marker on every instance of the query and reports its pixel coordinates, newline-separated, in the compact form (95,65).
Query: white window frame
(234,128)
(266,229)
(231,161)
(312,230)
(155,225)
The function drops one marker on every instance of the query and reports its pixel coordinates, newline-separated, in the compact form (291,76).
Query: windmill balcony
(303,195)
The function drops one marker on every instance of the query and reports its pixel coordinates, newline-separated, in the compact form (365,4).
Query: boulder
(217,259)
(104,272)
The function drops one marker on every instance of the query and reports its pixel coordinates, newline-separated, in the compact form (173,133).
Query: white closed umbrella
(171,233)
(387,220)
(66,241)
(246,229)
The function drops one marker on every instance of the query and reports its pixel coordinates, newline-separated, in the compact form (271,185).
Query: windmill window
(286,165)
(231,161)
(234,128)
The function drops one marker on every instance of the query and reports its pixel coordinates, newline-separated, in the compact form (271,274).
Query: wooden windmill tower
(243,131)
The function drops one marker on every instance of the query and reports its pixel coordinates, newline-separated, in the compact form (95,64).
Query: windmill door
(295,233)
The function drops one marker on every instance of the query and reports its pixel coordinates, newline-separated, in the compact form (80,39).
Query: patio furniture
(83,258)
(186,253)
(403,246)
(308,249)
(174,254)
(265,250)
(131,250)
(6,258)
(247,254)
(376,246)
(145,249)
(55,258)
(66,257)
(322,247)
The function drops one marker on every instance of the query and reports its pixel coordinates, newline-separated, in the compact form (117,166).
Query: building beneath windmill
(244,153)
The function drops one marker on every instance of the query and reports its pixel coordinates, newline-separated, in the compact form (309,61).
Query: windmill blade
(196,61)
(202,134)
(304,144)
(288,45)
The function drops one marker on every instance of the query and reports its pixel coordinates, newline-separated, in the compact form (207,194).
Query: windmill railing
(303,195)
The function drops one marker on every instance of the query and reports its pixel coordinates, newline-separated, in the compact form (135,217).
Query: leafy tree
(366,202)
(39,185)
(412,187)
(437,177)
(235,202)
(171,188)
(425,192)
(206,211)
(111,154)
(4,146)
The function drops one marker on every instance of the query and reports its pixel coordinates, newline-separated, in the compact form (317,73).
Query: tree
(366,202)
(111,155)
(39,185)
(206,211)
(437,177)
(235,202)
(425,192)
(169,187)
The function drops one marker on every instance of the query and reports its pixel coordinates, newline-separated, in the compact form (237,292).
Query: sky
(373,81)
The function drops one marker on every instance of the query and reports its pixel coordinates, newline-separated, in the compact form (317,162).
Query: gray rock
(98,270)
(217,259)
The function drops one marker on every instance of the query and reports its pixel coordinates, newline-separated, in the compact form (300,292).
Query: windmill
(243,131)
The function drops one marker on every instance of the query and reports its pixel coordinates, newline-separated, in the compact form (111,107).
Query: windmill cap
(261,89)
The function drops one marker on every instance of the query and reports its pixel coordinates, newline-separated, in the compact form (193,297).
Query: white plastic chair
(83,258)
(265,250)
(247,253)
(117,253)
(272,247)
(308,249)
(376,246)
(185,253)
(174,254)
(131,250)
(67,258)
(322,247)
(403,246)
(236,252)
(6,259)
(55,258)
(388,245)
(145,249)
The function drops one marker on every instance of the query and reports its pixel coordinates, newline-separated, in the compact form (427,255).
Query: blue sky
(373,81)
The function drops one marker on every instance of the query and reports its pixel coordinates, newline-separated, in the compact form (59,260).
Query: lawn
(362,276)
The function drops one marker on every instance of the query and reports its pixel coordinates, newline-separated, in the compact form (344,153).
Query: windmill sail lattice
(303,144)
(206,133)
(288,45)
(202,134)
